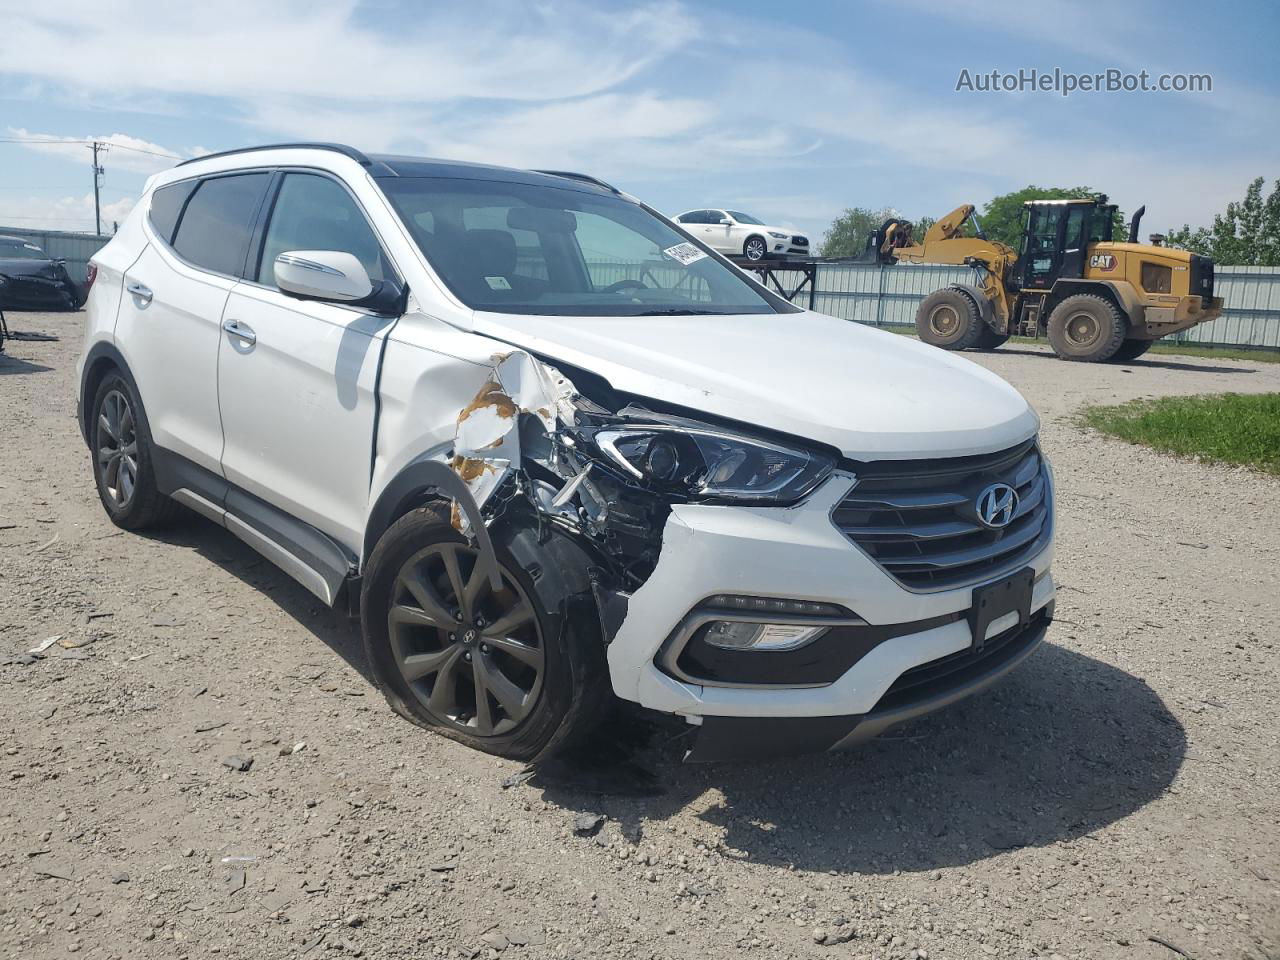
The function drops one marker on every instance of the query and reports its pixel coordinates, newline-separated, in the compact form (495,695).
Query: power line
(109,143)
(10,216)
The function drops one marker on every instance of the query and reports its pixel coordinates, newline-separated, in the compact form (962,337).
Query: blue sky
(791,112)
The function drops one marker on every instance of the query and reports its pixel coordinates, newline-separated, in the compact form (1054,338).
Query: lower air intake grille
(918,519)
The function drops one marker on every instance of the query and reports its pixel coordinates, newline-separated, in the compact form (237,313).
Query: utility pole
(97,183)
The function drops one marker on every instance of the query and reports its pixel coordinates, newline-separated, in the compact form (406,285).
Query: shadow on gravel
(1065,745)
(1150,360)
(11,365)
(338,631)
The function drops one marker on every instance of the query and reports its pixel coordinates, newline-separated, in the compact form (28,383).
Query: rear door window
(215,228)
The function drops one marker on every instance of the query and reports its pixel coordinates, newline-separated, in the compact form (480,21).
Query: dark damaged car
(555,450)
(32,280)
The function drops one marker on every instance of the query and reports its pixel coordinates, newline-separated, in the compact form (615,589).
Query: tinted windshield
(11,250)
(522,248)
(745,218)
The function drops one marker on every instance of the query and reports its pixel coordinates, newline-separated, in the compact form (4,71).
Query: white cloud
(133,154)
(659,93)
(73,213)
(299,48)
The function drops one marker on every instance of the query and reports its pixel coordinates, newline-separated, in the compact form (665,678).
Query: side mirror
(322,275)
(726,222)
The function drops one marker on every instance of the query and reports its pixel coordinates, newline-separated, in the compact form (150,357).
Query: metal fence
(75,248)
(888,296)
(881,296)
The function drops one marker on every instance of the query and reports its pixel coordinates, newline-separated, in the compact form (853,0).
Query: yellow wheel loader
(1095,300)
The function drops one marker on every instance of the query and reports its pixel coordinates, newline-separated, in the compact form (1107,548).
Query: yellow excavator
(1094,299)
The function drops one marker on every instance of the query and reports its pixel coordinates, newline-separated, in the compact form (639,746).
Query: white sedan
(738,234)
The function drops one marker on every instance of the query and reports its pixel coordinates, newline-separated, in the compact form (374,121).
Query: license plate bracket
(999,599)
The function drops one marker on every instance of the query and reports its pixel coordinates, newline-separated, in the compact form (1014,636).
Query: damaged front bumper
(797,553)
(872,652)
(755,738)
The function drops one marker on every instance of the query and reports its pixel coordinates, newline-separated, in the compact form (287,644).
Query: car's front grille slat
(927,531)
(919,519)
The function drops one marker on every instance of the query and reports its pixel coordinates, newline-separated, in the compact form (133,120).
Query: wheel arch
(102,358)
(424,481)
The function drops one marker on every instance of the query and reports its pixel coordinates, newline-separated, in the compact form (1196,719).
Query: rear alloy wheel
(121,443)
(949,319)
(1086,328)
(754,249)
(472,655)
(118,449)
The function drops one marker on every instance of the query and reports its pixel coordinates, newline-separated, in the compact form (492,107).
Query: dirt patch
(198,764)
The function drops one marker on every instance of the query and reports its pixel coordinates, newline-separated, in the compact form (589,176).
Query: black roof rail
(583,177)
(341,148)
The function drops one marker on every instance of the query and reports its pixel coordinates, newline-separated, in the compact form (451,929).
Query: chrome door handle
(141,291)
(240,331)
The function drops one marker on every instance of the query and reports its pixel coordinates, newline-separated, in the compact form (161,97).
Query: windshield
(745,218)
(521,248)
(17,250)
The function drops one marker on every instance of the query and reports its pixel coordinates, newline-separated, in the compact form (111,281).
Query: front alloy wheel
(754,249)
(473,656)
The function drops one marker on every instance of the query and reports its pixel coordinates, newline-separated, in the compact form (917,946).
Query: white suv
(551,449)
(738,234)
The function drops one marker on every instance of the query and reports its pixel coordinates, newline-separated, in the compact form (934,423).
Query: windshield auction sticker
(684,253)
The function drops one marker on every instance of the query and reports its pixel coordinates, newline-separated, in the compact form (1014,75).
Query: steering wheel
(621,285)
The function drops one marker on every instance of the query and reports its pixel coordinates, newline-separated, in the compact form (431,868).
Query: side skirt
(299,549)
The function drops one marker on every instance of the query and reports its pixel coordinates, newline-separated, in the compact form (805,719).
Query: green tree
(1247,234)
(847,235)
(1003,216)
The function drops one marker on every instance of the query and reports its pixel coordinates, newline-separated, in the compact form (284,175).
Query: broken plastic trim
(486,443)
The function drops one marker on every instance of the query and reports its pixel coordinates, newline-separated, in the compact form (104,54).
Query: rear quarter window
(166,206)
(215,228)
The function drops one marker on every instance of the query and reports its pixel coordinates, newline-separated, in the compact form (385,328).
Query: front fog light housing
(742,635)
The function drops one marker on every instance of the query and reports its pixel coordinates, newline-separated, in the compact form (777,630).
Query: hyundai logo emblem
(996,505)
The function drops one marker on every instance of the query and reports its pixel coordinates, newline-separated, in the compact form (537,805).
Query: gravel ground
(1119,790)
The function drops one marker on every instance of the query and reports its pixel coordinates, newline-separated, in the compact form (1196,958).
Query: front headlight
(704,463)
(778,236)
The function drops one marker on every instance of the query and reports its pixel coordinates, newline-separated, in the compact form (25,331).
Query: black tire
(563,702)
(949,319)
(990,340)
(122,464)
(1131,350)
(755,249)
(1087,328)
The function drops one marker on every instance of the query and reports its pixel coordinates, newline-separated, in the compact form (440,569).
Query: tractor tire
(949,319)
(990,340)
(1131,350)
(1087,328)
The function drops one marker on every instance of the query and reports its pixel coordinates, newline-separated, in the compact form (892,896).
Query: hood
(873,395)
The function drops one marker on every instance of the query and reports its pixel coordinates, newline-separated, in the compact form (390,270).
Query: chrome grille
(918,520)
